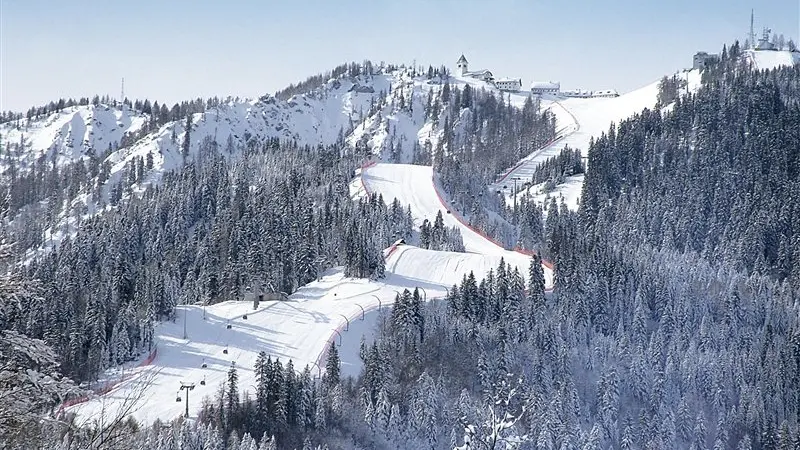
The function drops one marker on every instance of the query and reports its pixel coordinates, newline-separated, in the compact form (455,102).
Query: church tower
(461,64)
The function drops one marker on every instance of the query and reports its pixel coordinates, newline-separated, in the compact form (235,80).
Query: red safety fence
(465,223)
(106,387)
(364,166)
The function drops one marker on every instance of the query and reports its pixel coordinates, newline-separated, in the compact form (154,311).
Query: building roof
(479,72)
(545,85)
(509,80)
(462,60)
(764,44)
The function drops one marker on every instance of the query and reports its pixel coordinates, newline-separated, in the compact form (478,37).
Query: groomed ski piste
(331,309)
(580,119)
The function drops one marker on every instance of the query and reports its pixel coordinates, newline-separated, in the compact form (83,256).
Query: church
(504,84)
(463,71)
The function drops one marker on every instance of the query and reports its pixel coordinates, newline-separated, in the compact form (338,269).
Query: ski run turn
(329,309)
(198,346)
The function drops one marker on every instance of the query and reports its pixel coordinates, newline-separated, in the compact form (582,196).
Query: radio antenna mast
(122,92)
(752,36)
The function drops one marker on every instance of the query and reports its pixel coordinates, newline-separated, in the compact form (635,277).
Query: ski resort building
(582,93)
(577,93)
(703,59)
(764,43)
(463,71)
(509,84)
(605,94)
(545,87)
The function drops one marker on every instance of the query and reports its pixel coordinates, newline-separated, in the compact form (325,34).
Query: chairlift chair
(203,381)
(225,351)
(178,397)
(244,317)
(228,326)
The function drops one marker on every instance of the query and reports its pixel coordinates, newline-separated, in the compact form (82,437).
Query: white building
(462,67)
(606,93)
(545,87)
(508,84)
(579,93)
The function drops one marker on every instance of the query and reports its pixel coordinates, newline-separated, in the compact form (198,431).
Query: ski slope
(772,59)
(580,119)
(414,185)
(300,330)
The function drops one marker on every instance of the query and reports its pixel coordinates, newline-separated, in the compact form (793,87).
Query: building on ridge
(702,59)
(509,84)
(545,87)
(463,71)
(764,43)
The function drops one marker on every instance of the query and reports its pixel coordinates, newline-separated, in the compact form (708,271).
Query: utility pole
(122,93)
(187,387)
(184,321)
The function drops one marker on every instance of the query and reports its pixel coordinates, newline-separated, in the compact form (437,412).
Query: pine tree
(232,400)
(331,377)
(186,145)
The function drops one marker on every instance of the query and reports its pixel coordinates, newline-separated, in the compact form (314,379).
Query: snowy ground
(771,59)
(332,307)
(301,329)
(578,120)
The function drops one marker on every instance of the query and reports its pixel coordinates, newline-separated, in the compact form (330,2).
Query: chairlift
(178,397)
(244,317)
(225,351)
(203,381)
(228,326)
(204,365)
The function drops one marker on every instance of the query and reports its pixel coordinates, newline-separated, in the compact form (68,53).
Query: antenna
(122,92)
(752,36)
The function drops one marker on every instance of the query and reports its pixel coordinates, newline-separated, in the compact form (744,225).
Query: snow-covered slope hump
(772,59)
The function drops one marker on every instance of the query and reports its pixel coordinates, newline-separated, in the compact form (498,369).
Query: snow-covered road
(578,120)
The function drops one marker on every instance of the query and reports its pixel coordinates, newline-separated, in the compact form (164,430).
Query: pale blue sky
(175,50)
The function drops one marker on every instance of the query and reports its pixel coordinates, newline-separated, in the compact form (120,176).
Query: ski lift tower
(254,292)
(186,387)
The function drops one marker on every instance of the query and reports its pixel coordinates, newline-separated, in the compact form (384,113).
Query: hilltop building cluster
(515,84)
(701,60)
(504,84)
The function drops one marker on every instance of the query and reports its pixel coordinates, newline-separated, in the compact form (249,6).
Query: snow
(545,85)
(72,133)
(577,121)
(569,192)
(300,329)
(413,185)
(772,59)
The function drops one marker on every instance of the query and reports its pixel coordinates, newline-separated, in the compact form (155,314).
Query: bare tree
(498,420)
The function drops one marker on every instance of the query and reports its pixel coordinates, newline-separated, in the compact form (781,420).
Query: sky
(181,49)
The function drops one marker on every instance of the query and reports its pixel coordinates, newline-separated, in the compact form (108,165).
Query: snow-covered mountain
(382,113)
(73,133)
